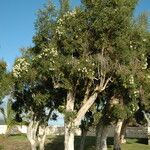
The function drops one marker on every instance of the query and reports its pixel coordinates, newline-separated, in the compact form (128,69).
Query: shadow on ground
(142,141)
(57,142)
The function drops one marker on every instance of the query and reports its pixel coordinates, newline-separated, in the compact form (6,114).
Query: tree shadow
(57,143)
(139,140)
(142,141)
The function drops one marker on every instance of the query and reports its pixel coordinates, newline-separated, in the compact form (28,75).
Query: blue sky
(17,19)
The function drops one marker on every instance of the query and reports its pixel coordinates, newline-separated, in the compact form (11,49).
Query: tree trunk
(101,136)
(148,133)
(123,131)
(83,138)
(69,137)
(85,107)
(90,99)
(69,125)
(32,135)
(117,142)
(42,137)
(147,117)
(42,142)
(34,146)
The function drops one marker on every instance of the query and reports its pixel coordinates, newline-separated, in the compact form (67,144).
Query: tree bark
(42,138)
(83,138)
(69,133)
(117,142)
(85,108)
(123,130)
(149,133)
(34,146)
(42,146)
(32,135)
(90,99)
(69,137)
(147,117)
(101,136)
(69,125)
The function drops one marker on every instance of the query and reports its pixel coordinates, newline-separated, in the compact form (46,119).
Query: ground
(20,142)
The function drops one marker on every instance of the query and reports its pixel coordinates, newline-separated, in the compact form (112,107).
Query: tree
(70,70)
(80,34)
(34,100)
(9,117)
(5,80)
(142,75)
(84,50)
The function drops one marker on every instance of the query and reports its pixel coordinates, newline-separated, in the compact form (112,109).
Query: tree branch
(87,92)
(147,116)
(106,83)
(89,102)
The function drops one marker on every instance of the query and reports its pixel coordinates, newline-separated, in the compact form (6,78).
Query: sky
(17,19)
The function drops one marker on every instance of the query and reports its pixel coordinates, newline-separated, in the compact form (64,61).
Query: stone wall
(131,132)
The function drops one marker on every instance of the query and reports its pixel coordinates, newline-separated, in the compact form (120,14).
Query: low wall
(3,129)
(14,130)
(131,132)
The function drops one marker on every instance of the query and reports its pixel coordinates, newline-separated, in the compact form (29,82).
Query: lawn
(20,142)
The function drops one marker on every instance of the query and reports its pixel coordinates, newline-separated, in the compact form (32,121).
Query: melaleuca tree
(34,100)
(143,78)
(144,98)
(113,110)
(86,47)
(64,61)
(137,76)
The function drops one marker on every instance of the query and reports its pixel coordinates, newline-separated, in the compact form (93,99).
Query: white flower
(148,76)
(131,46)
(21,66)
(145,66)
(136,92)
(131,79)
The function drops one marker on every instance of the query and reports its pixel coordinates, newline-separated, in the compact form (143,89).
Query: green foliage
(64,6)
(45,21)
(117,112)
(69,116)
(85,45)
(2,67)
(6,81)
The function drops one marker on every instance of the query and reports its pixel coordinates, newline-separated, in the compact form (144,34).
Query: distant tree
(5,80)
(9,117)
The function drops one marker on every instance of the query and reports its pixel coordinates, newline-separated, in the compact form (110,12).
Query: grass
(20,137)
(136,144)
(20,142)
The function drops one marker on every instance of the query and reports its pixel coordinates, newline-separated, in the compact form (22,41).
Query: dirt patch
(13,144)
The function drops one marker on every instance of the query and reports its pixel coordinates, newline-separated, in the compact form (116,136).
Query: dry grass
(20,142)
